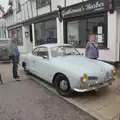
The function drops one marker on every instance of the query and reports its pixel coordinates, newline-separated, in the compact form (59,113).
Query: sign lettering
(87,7)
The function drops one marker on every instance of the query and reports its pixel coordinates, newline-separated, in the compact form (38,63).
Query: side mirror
(45,57)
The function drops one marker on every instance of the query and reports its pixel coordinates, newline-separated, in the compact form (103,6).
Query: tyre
(63,86)
(25,67)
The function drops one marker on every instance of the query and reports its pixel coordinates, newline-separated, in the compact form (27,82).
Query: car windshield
(63,51)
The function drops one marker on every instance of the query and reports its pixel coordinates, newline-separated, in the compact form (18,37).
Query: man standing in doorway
(14,54)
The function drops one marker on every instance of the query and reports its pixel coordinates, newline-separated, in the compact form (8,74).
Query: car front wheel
(25,67)
(63,86)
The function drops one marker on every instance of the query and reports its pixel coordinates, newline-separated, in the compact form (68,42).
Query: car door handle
(33,61)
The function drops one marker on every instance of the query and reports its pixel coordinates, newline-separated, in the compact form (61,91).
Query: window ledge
(99,48)
(104,48)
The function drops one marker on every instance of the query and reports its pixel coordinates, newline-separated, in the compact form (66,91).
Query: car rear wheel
(63,86)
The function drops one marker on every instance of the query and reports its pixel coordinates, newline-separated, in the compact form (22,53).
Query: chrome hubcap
(63,85)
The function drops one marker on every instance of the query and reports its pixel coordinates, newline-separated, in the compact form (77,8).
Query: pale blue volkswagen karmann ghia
(63,66)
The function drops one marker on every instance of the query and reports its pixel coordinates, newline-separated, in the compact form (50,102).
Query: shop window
(18,6)
(42,3)
(19,37)
(79,31)
(45,32)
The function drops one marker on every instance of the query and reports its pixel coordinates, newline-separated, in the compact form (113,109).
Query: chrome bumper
(95,86)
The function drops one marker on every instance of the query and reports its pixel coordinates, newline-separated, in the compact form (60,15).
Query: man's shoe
(17,76)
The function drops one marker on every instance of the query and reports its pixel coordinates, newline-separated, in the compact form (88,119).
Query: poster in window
(100,38)
(99,30)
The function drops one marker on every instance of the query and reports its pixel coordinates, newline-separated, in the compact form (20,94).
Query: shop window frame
(103,14)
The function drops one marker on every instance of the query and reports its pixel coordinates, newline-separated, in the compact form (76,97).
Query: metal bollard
(1,79)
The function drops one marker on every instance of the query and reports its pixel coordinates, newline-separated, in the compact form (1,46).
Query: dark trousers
(15,65)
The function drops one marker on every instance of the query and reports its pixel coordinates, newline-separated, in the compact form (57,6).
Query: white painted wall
(71,2)
(18,17)
(27,45)
(118,35)
(23,1)
(14,5)
(29,10)
(33,7)
(60,34)
(15,16)
(26,11)
(43,10)
(112,36)
(33,33)
(22,13)
(57,2)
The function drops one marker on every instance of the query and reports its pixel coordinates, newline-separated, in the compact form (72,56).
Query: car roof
(53,45)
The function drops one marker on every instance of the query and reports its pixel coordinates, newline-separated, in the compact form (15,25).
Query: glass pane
(45,32)
(43,52)
(77,33)
(82,32)
(73,33)
(63,51)
(96,26)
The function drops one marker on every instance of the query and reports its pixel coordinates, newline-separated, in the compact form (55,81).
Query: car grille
(92,78)
(96,84)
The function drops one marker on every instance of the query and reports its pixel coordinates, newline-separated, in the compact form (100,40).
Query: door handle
(33,61)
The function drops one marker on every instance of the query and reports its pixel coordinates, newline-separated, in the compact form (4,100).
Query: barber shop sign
(84,7)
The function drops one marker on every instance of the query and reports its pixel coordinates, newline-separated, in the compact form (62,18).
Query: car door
(43,63)
(33,61)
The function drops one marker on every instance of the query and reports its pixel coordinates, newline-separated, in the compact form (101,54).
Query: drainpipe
(65,2)
(33,34)
(50,6)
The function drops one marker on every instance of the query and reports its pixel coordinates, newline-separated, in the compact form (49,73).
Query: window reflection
(78,31)
(45,32)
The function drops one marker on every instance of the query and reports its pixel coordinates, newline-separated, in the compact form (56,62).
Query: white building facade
(42,21)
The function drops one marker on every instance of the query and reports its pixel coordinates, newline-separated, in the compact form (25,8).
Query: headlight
(114,71)
(84,78)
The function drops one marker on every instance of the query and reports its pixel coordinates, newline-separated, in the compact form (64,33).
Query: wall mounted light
(26,34)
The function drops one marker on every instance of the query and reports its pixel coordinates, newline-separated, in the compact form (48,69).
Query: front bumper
(95,86)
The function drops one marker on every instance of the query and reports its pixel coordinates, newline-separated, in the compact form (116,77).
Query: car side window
(43,52)
(35,52)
